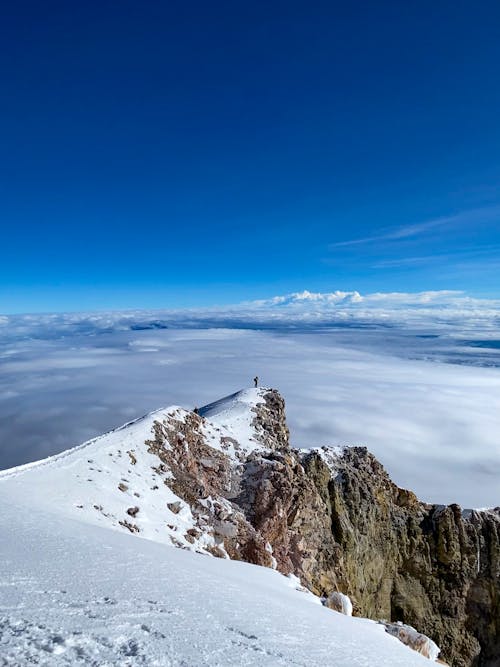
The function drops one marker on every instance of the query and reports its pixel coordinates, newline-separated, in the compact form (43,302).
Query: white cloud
(430,309)
(434,425)
(355,368)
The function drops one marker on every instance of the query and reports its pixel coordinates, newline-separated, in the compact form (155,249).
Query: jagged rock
(175,507)
(133,511)
(227,482)
(132,527)
(206,478)
(270,421)
(428,566)
(334,518)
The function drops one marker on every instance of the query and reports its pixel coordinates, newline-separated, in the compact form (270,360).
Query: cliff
(333,517)
(224,481)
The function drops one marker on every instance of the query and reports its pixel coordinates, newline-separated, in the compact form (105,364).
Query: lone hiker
(256,381)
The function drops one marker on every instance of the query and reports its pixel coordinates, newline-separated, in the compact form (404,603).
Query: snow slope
(103,480)
(98,482)
(74,592)
(234,413)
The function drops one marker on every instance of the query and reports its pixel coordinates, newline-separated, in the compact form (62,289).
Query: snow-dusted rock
(224,481)
(415,640)
(339,602)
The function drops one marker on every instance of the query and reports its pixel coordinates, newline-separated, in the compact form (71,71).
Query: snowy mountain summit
(164,477)
(223,481)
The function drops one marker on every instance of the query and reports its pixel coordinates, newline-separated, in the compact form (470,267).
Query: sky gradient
(169,155)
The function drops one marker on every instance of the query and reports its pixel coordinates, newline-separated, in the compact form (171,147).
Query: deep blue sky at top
(161,154)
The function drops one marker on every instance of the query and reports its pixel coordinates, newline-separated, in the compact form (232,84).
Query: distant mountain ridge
(224,481)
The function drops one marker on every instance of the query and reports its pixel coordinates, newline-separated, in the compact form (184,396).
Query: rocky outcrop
(432,567)
(269,422)
(415,640)
(205,478)
(334,518)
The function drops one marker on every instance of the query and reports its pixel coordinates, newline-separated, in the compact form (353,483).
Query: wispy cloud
(484,256)
(402,232)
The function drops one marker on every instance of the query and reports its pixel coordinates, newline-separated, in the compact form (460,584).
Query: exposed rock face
(269,422)
(402,560)
(205,477)
(334,518)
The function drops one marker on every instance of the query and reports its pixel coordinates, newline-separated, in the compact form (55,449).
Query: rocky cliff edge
(224,480)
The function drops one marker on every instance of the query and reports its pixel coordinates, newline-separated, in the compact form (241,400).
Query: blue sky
(173,154)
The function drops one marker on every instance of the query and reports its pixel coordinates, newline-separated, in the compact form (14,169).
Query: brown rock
(336,520)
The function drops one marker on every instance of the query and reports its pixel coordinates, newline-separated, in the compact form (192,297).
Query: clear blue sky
(162,154)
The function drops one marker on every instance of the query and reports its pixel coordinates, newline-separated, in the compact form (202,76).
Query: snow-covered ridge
(114,480)
(72,591)
(53,460)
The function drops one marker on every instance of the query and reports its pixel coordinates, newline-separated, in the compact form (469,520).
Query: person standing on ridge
(256,381)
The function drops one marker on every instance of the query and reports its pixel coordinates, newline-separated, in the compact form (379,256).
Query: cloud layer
(434,425)
(446,311)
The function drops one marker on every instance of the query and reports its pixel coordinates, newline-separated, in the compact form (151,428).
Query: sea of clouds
(415,378)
